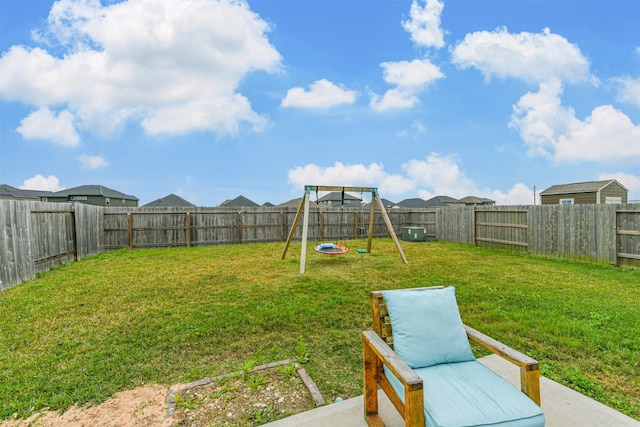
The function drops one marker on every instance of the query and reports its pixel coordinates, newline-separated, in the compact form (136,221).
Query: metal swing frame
(303,210)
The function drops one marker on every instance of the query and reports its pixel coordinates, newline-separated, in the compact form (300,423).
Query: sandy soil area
(141,407)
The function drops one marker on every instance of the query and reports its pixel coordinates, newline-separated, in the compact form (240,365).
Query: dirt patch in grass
(245,399)
(143,407)
(248,399)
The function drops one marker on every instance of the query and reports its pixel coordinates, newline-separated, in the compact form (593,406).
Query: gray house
(434,202)
(97,195)
(592,192)
(13,193)
(171,200)
(388,204)
(293,203)
(338,199)
(441,201)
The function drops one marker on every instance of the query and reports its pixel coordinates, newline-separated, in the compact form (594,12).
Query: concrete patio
(562,406)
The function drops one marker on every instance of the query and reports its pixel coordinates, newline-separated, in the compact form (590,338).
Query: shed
(592,192)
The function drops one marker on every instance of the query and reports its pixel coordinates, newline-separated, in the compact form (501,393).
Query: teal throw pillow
(427,328)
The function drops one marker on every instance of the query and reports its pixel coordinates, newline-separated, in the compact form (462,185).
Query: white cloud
(172,66)
(410,78)
(46,125)
(322,94)
(92,162)
(441,175)
(349,175)
(394,99)
(628,90)
(519,194)
(607,135)
(415,130)
(424,24)
(39,182)
(530,57)
(436,175)
(549,129)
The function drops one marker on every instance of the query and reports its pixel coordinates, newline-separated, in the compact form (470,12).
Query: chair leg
(530,383)
(371,368)
(414,408)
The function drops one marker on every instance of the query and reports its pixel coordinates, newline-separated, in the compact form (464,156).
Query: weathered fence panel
(16,261)
(455,224)
(36,236)
(628,237)
(577,232)
(502,228)
(89,230)
(54,230)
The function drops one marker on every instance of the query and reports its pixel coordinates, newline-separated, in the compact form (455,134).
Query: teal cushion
(470,394)
(427,328)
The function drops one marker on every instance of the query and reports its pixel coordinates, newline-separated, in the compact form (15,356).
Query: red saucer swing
(331,249)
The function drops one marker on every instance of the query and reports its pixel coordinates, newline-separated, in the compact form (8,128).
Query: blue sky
(214,99)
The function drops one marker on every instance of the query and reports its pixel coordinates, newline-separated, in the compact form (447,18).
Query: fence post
(74,234)
(240,227)
(130,229)
(475,226)
(282,226)
(188,229)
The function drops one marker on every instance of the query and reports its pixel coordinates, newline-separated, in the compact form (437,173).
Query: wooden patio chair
(419,354)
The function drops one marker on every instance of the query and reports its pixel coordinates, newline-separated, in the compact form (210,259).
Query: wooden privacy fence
(600,233)
(143,228)
(35,236)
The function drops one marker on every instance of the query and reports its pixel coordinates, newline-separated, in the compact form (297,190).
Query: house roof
(442,201)
(293,203)
(476,200)
(170,200)
(9,192)
(337,196)
(239,201)
(579,187)
(92,190)
(386,203)
(413,203)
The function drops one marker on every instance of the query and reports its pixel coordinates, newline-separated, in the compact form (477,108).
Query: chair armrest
(529,367)
(386,355)
(376,353)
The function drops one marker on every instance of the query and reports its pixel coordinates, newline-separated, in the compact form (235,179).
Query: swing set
(330,248)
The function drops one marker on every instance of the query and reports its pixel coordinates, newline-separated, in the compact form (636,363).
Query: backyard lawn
(113,322)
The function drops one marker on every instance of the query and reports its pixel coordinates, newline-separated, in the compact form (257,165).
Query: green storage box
(414,234)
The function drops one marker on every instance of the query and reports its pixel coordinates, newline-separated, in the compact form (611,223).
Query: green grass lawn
(112,322)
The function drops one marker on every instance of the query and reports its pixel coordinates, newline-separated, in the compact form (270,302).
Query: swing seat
(331,249)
